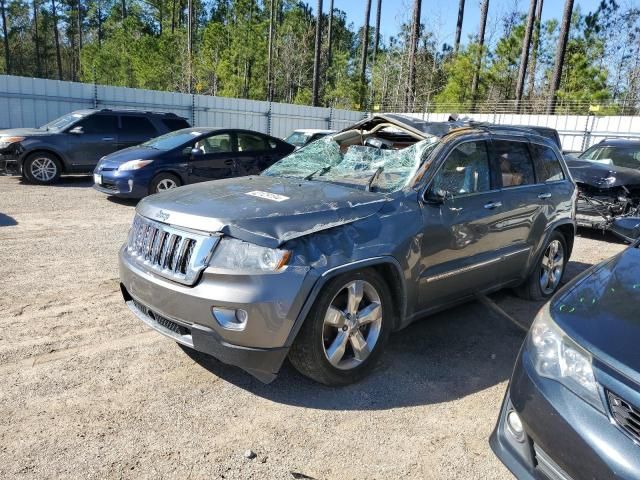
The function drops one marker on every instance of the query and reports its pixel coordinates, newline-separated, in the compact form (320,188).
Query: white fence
(577,132)
(31,102)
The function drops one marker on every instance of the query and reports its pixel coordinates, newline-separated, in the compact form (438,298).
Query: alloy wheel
(166,184)
(552,267)
(352,325)
(43,169)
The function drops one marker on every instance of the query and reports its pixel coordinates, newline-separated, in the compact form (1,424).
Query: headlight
(609,180)
(556,356)
(133,165)
(6,141)
(237,256)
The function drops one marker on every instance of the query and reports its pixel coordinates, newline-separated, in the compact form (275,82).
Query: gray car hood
(267,211)
(24,132)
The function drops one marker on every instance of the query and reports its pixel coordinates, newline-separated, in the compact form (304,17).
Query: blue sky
(441,15)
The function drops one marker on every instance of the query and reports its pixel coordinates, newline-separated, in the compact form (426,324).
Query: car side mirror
(77,130)
(436,196)
(196,152)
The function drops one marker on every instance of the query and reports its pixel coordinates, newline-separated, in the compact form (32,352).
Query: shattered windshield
(325,160)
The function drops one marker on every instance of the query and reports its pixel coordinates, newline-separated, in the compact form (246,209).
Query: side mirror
(76,130)
(436,196)
(196,152)
(626,228)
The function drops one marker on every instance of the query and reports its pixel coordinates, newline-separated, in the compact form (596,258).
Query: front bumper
(565,437)
(122,184)
(9,165)
(184,313)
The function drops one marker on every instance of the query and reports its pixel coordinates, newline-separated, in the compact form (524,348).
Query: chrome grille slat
(167,251)
(626,415)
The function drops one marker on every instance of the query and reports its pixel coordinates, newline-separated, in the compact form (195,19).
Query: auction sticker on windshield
(267,195)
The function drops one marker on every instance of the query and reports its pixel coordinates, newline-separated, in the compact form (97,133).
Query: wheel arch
(388,268)
(568,230)
(48,151)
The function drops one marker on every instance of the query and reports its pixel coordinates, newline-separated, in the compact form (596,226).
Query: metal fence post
(330,119)
(95,88)
(587,131)
(193,109)
(269,119)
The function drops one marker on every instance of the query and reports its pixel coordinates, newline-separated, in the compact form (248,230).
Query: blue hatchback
(186,156)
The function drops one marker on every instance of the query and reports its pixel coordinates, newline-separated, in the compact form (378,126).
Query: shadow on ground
(595,234)
(7,221)
(68,181)
(450,355)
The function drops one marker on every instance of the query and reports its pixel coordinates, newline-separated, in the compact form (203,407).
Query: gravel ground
(89,392)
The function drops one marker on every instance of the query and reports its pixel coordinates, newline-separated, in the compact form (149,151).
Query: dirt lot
(89,392)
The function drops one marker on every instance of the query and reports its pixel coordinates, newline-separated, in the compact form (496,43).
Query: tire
(546,272)
(162,182)
(42,168)
(332,331)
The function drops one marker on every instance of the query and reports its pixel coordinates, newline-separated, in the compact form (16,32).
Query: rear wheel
(545,279)
(42,168)
(345,331)
(164,181)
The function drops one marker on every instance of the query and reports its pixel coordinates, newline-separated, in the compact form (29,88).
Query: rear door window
(547,164)
(465,171)
(220,143)
(248,142)
(134,125)
(99,124)
(514,161)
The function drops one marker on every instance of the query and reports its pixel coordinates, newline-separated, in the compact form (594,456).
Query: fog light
(514,424)
(230,319)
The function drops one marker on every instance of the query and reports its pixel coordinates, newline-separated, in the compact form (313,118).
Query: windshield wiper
(374,177)
(320,172)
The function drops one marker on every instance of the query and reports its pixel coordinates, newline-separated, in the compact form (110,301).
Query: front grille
(625,415)
(109,185)
(548,467)
(172,253)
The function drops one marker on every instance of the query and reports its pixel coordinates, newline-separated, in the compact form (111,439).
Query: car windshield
(620,156)
(172,140)
(298,138)
(325,160)
(64,121)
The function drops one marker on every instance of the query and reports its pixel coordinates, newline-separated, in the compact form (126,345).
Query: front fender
(327,275)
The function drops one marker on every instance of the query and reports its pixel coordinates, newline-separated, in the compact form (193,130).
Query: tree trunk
(36,39)
(376,41)
(364,54)
(330,35)
(79,38)
(124,9)
(5,33)
(190,45)
(99,10)
(560,52)
(56,36)
(173,16)
(534,48)
(484,10)
(413,47)
(524,55)
(315,99)
(456,46)
(270,53)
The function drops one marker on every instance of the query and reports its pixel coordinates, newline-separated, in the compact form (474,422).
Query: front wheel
(164,181)
(346,329)
(545,279)
(42,168)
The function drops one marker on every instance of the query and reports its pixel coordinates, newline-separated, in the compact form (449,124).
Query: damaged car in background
(608,179)
(350,238)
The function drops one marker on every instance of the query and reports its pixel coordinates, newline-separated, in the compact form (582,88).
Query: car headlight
(6,141)
(556,356)
(237,256)
(133,165)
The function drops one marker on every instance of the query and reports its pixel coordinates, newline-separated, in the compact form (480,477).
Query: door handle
(492,205)
(228,162)
(544,195)
(107,139)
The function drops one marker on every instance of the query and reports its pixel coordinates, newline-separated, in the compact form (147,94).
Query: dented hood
(594,173)
(264,210)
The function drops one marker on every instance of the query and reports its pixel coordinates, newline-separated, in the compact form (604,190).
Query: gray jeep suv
(354,236)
